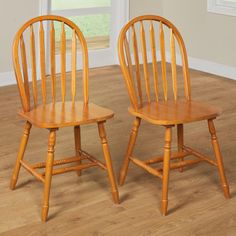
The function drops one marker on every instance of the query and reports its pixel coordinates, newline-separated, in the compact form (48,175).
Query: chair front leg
(77,137)
(48,173)
(216,147)
(166,168)
(107,156)
(180,137)
(132,141)
(23,144)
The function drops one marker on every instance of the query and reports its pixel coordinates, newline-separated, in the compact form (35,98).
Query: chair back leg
(77,137)
(216,147)
(48,173)
(23,144)
(166,168)
(107,156)
(132,141)
(180,137)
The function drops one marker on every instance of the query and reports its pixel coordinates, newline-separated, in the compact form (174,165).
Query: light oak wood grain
(175,112)
(57,114)
(53,61)
(168,111)
(145,63)
(42,61)
(63,62)
(33,66)
(137,66)
(81,205)
(163,61)
(154,60)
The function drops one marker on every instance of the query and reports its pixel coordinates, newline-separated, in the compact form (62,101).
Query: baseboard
(198,64)
(8,78)
(213,68)
(208,66)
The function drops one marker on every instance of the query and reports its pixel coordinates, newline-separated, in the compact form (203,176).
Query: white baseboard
(213,68)
(207,66)
(198,64)
(8,78)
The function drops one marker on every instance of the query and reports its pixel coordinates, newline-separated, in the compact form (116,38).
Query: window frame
(222,7)
(108,56)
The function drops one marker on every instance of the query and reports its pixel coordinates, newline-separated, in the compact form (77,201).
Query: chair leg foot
(164,206)
(216,147)
(132,140)
(107,156)
(23,144)
(13,183)
(48,173)
(44,214)
(166,168)
(122,177)
(226,191)
(115,196)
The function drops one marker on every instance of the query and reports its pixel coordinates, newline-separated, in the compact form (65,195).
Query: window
(99,20)
(92,16)
(226,7)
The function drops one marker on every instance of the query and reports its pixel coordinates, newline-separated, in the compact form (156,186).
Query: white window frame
(107,56)
(225,7)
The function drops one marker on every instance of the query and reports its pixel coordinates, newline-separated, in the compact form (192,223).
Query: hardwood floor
(83,205)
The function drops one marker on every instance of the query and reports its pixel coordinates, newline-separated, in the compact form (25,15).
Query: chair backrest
(26,44)
(132,47)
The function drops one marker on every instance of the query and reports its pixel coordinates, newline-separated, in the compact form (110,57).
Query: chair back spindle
(136,59)
(42,61)
(36,31)
(154,60)
(148,36)
(145,62)
(33,66)
(63,62)
(25,69)
(53,61)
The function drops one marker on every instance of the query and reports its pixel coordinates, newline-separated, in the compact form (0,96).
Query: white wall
(142,7)
(210,37)
(13,13)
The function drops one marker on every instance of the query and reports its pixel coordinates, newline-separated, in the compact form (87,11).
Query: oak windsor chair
(52,114)
(162,110)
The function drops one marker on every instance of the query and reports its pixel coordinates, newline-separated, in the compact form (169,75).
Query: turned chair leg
(23,144)
(48,173)
(107,156)
(132,140)
(166,168)
(77,137)
(216,147)
(180,137)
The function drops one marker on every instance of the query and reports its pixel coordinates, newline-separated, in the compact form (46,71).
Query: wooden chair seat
(175,112)
(56,115)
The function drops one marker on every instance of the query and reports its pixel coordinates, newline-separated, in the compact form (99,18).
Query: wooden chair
(153,107)
(45,108)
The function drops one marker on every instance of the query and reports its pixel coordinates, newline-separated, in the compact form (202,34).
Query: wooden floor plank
(83,205)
